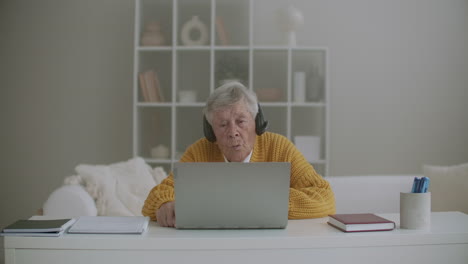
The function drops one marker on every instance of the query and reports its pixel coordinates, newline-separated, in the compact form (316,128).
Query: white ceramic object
(299,87)
(290,19)
(415,210)
(160,152)
(187,96)
(186,34)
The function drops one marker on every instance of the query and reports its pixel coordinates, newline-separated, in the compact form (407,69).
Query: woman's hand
(166,214)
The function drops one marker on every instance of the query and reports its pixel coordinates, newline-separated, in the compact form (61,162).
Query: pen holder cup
(415,210)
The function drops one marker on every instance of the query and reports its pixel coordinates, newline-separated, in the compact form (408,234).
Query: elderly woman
(235,132)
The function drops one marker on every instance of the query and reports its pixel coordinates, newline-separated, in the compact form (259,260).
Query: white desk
(303,241)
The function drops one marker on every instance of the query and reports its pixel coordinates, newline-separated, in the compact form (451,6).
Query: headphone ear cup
(260,123)
(208,130)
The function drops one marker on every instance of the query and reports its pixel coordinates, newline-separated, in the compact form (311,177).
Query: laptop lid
(217,195)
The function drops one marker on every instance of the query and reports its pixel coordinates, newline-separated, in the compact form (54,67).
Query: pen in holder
(415,210)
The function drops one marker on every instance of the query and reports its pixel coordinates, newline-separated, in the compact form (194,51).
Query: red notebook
(360,222)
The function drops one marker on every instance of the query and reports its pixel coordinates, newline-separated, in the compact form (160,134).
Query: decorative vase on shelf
(160,152)
(290,18)
(152,36)
(315,85)
(194,32)
(187,96)
(299,87)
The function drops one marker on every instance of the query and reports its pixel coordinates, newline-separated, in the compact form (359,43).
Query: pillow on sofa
(449,185)
(119,188)
(70,201)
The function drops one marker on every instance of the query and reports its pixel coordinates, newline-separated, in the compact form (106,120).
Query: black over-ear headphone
(260,126)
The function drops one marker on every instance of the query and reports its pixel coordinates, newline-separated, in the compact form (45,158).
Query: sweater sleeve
(160,194)
(310,195)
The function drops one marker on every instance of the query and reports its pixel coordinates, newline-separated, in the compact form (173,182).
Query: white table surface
(448,235)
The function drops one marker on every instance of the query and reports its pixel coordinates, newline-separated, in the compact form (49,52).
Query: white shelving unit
(268,70)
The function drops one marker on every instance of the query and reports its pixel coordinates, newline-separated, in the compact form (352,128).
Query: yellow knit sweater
(310,195)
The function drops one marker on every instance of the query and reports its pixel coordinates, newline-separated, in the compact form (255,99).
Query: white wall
(398,79)
(65,98)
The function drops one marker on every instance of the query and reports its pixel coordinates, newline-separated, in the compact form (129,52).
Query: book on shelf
(221,32)
(149,83)
(360,222)
(143,88)
(157,86)
(110,225)
(148,76)
(38,227)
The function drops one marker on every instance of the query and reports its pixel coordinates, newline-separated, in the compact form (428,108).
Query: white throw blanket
(119,188)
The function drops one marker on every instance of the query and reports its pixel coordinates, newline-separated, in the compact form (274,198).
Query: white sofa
(121,188)
(115,189)
(370,194)
(353,194)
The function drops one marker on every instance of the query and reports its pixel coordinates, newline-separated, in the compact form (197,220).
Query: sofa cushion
(69,201)
(449,187)
(119,188)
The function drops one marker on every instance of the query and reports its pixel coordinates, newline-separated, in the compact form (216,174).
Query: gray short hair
(229,94)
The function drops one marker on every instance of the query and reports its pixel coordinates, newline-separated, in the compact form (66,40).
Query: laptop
(222,195)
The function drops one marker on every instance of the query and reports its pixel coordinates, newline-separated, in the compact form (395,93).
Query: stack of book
(31,227)
(150,86)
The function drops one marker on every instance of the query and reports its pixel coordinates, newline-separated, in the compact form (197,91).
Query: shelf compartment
(277,119)
(231,65)
(194,67)
(151,12)
(270,69)
(189,127)
(161,63)
(312,63)
(154,128)
(309,122)
(232,23)
(187,12)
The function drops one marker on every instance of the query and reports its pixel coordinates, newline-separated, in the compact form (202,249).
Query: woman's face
(234,128)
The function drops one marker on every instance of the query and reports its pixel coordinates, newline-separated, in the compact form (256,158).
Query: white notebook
(110,225)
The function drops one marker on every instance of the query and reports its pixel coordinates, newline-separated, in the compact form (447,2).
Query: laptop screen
(231,195)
